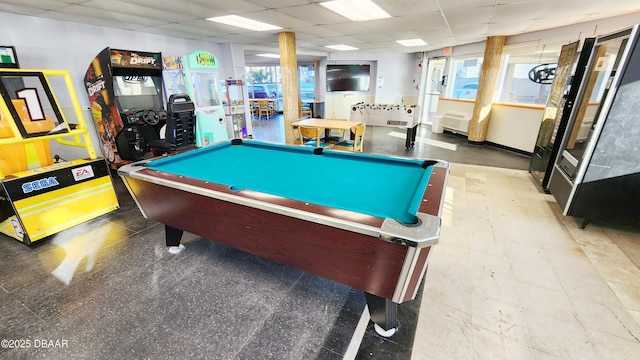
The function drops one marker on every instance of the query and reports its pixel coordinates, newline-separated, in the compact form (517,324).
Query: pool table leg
(172,235)
(384,314)
(410,140)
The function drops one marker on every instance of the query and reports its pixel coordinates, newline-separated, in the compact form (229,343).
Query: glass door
(604,63)
(569,74)
(590,124)
(434,85)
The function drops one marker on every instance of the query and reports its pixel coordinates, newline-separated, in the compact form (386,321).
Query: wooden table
(328,124)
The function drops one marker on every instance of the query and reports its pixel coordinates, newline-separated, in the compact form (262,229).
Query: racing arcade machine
(125,94)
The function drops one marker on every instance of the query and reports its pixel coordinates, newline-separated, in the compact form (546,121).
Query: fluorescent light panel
(274,56)
(356,10)
(242,22)
(341,47)
(411,42)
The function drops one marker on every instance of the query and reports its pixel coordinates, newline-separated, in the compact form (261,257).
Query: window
(518,88)
(464,78)
(307,82)
(525,67)
(265,82)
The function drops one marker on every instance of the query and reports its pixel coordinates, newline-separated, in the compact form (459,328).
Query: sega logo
(39,184)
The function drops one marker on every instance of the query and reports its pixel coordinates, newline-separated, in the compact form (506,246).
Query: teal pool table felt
(385,187)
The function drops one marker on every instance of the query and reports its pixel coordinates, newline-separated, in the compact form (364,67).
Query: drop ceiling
(440,23)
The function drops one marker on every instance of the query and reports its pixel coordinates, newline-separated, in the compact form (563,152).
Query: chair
(272,107)
(304,110)
(264,109)
(336,135)
(312,136)
(253,106)
(297,139)
(353,145)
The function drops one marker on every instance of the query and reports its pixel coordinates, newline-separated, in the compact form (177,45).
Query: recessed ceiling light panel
(412,42)
(356,10)
(341,47)
(242,22)
(274,56)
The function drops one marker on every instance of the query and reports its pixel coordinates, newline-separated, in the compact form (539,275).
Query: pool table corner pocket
(423,234)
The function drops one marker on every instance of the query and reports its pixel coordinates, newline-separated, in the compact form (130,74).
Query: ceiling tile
(408,7)
(19,9)
(278,19)
(370,38)
(501,28)
(503,13)
(235,7)
(466,4)
(317,31)
(347,40)
(541,24)
(190,29)
(314,13)
(277,4)
(179,7)
(477,15)
(418,21)
(462,21)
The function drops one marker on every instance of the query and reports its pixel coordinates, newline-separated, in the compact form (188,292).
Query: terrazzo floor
(510,279)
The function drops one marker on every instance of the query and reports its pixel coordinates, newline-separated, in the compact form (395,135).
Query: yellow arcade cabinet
(40,196)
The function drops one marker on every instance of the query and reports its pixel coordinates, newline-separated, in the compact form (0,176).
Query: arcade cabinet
(560,103)
(125,94)
(196,74)
(598,178)
(234,108)
(40,196)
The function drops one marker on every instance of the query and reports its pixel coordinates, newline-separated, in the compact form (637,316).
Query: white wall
(464,106)
(577,31)
(394,78)
(52,44)
(510,125)
(518,127)
(514,126)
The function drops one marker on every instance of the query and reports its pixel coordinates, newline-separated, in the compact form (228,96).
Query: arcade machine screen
(8,58)
(138,92)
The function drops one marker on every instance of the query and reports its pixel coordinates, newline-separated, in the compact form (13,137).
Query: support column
(486,87)
(289,69)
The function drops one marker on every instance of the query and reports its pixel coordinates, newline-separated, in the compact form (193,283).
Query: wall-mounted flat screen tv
(348,77)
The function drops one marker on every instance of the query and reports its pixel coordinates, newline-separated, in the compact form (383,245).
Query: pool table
(367,221)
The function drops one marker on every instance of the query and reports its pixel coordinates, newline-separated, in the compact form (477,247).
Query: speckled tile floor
(510,279)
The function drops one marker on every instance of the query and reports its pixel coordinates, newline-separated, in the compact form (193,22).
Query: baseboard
(503,147)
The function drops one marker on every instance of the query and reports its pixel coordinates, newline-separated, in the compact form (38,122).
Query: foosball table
(400,116)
